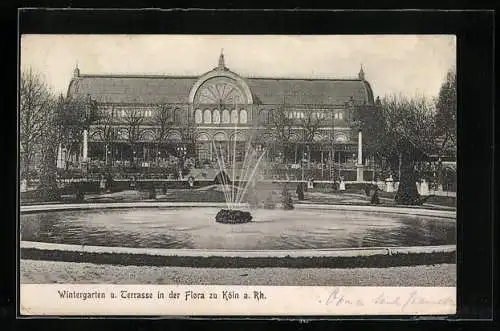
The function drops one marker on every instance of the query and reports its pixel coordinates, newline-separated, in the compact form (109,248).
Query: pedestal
(389,186)
(85,145)
(59,158)
(359,172)
(424,188)
(24,185)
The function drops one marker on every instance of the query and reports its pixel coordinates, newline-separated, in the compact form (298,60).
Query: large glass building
(150,116)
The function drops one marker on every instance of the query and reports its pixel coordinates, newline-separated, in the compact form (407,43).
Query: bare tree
(49,143)
(107,130)
(310,124)
(188,131)
(280,126)
(134,121)
(446,116)
(163,119)
(446,120)
(35,103)
(403,129)
(73,115)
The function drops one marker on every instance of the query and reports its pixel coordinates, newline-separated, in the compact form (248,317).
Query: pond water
(195,228)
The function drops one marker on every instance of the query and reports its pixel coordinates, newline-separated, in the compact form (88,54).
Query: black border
(475,33)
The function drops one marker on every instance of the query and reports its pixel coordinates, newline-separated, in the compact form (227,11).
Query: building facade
(219,108)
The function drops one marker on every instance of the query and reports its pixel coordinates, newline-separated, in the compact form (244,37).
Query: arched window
(203,137)
(148,135)
(220,136)
(341,138)
(177,116)
(207,116)
(216,117)
(263,116)
(243,116)
(197,116)
(170,116)
(234,116)
(225,116)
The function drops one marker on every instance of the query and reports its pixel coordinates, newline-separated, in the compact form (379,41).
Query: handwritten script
(405,301)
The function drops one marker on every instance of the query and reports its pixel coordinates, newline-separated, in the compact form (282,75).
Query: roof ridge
(196,77)
(303,78)
(134,76)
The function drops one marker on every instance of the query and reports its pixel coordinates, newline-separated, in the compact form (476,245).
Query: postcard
(267,175)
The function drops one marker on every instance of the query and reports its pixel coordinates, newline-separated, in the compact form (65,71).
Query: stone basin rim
(320,252)
(159,204)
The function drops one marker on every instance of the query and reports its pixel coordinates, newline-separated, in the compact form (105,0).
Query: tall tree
(446,115)
(72,117)
(35,104)
(134,120)
(48,167)
(107,130)
(280,126)
(163,119)
(309,125)
(188,130)
(401,128)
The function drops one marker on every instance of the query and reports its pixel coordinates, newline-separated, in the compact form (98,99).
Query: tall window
(243,116)
(207,116)
(263,116)
(203,147)
(225,116)
(177,116)
(198,116)
(216,117)
(234,116)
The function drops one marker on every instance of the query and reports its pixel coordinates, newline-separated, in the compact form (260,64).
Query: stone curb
(300,253)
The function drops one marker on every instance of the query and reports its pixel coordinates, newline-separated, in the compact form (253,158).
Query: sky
(393,64)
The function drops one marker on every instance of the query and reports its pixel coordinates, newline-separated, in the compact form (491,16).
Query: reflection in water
(271,229)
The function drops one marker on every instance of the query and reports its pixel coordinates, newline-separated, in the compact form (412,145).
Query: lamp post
(182,151)
(108,152)
(302,164)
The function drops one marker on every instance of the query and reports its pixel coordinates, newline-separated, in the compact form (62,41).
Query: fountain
(236,179)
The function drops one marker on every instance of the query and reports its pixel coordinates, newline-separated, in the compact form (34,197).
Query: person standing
(102,184)
(300,191)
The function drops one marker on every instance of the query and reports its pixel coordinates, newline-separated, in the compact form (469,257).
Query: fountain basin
(191,226)
(184,234)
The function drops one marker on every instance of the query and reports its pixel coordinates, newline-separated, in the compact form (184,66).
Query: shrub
(286,199)
(230,216)
(152,193)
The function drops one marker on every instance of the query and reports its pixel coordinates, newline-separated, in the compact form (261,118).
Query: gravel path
(85,273)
